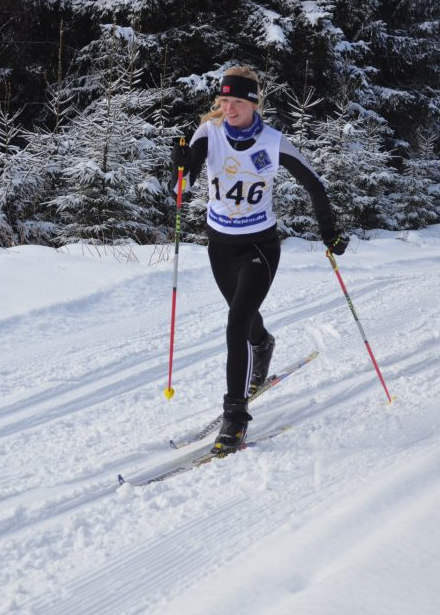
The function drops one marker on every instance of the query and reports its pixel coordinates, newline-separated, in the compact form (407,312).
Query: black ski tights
(243,274)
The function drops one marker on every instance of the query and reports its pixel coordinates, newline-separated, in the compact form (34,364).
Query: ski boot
(261,356)
(234,427)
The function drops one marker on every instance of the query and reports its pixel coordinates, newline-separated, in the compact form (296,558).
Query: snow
(273,33)
(125,32)
(103,6)
(203,83)
(339,515)
(313,12)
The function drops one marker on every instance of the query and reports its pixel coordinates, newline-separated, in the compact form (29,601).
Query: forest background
(93,95)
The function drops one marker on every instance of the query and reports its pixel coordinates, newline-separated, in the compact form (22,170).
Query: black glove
(181,157)
(338,244)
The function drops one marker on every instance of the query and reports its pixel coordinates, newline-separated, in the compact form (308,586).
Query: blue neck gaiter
(244,134)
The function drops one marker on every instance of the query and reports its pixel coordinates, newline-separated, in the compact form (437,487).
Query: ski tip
(121,479)
(173,444)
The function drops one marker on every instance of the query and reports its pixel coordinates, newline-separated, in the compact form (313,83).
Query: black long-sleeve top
(292,160)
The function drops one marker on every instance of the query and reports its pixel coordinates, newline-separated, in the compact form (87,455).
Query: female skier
(243,155)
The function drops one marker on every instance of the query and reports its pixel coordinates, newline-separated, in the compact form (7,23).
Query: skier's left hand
(338,244)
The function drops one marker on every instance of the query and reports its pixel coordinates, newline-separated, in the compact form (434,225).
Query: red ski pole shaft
(169,391)
(334,264)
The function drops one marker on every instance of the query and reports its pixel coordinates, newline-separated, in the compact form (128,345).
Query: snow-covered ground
(340,515)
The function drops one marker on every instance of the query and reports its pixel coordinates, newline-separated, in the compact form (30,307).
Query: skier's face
(237,111)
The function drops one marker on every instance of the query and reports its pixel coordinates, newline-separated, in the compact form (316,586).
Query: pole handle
(182,143)
(180,179)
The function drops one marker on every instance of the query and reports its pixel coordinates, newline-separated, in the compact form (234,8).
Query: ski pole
(334,264)
(169,391)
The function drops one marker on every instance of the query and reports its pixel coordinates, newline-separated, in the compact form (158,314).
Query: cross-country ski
(271,381)
(194,460)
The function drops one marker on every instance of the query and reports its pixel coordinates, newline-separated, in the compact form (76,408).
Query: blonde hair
(215,113)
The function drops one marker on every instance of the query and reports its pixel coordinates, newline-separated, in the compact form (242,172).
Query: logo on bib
(261,160)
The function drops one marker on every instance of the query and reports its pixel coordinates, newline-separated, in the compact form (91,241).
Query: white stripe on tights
(249,369)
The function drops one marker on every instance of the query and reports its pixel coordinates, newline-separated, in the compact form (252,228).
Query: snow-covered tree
(21,182)
(9,175)
(112,186)
(404,42)
(383,56)
(291,202)
(351,157)
(416,201)
(45,147)
(115,181)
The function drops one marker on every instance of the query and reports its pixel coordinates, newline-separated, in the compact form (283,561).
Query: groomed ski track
(351,490)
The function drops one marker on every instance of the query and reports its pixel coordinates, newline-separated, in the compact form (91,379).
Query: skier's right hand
(181,157)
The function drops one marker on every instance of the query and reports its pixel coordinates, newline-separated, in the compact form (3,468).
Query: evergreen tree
(383,56)
(10,177)
(291,201)
(417,202)
(399,70)
(352,159)
(46,147)
(115,177)
(21,184)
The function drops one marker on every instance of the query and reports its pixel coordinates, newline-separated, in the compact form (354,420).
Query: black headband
(239,87)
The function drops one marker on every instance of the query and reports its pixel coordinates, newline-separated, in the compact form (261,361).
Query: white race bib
(241,183)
